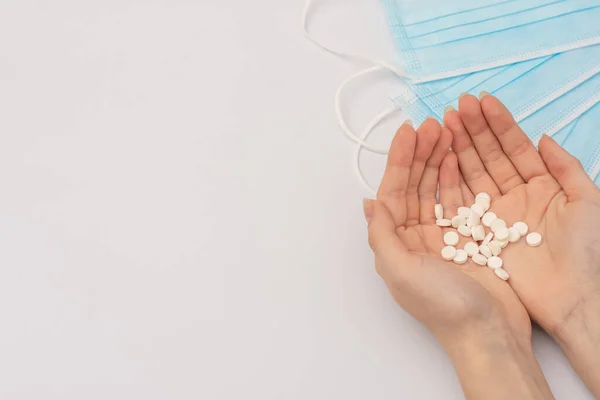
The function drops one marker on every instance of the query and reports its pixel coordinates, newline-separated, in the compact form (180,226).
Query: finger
(496,162)
(566,169)
(429,182)
(467,196)
(450,193)
(394,184)
(471,166)
(427,137)
(515,143)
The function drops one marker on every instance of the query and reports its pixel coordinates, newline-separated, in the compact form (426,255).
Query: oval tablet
(451,238)
(497,225)
(483,195)
(478,233)
(485,250)
(513,235)
(478,209)
(480,259)
(488,238)
(501,235)
(488,218)
(448,253)
(473,220)
(458,221)
(495,247)
(461,257)
(534,239)
(471,248)
(443,222)
(439,211)
(521,227)
(464,211)
(495,262)
(484,203)
(502,274)
(464,230)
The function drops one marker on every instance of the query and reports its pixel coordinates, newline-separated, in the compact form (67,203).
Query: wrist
(497,365)
(579,338)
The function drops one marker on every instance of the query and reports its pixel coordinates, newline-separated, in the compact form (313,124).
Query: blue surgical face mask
(479,46)
(462,23)
(556,115)
(582,139)
(524,87)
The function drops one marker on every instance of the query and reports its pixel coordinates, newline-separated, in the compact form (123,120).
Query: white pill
(478,209)
(504,244)
(485,250)
(464,211)
(458,221)
(534,239)
(522,228)
(471,248)
(488,238)
(488,218)
(461,257)
(484,203)
(495,247)
(502,274)
(478,233)
(501,234)
(495,262)
(473,220)
(513,235)
(480,259)
(464,230)
(439,211)
(443,222)
(497,225)
(451,238)
(483,195)
(448,253)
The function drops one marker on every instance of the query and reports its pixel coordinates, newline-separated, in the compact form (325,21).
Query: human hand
(558,282)
(476,316)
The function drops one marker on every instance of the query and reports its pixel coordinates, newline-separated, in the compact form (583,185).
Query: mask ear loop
(383,64)
(368,130)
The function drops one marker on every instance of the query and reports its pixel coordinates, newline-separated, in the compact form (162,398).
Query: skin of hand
(477,317)
(558,282)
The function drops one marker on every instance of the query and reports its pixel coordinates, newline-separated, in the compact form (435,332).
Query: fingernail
(483,94)
(368,209)
(432,117)
(408,122)
(449,108)
(463,94)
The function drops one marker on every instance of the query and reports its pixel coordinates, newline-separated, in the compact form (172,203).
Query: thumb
(566,169)
(382,229)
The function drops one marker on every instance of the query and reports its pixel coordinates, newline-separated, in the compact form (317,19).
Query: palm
(542,189)
(469,290)
(452,294)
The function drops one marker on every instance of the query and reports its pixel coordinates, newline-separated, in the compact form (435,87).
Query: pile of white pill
(483,248)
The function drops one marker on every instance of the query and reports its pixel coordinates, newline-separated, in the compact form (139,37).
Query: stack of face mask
(539,57)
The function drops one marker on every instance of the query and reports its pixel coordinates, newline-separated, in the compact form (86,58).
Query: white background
(179,217)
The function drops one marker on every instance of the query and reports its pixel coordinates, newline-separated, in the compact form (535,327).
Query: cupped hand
(454,301)
(549,190)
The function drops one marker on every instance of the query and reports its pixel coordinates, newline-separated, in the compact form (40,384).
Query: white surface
(179,218)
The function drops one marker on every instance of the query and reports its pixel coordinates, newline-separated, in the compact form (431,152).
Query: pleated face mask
(439,39)
(582,139)
(524,87)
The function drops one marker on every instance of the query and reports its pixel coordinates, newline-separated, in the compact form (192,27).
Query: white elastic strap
(340,115)
(368,130)
(343,54)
